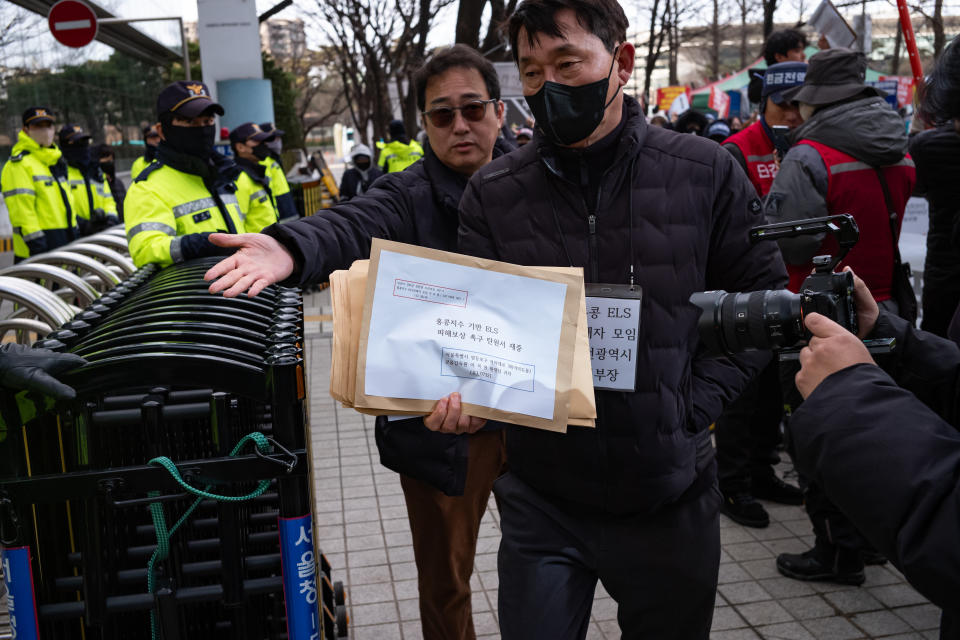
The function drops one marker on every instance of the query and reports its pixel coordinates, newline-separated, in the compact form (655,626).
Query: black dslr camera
(773,320)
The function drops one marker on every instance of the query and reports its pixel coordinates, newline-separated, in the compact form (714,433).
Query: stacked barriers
(45,288)
(170,499)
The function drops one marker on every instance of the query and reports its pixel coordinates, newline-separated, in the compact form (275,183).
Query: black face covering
(76,156)
(108,168)
(262,151)
(151,153)
(191,141)
(566,114)
(362,165)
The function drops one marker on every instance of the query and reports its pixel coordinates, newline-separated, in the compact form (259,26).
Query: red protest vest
(853,187)
(757,150)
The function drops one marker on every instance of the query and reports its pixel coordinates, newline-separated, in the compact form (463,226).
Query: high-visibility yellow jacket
(37,198)
(280,190)
(397,156)
(260,209)
(92,200)
(139,165)
(168,213)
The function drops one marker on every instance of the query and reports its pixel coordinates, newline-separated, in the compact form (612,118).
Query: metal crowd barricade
(170,499)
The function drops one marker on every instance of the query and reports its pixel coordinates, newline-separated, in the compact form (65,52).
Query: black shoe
(744,509)
(872,557)
(776,490)
(846,568)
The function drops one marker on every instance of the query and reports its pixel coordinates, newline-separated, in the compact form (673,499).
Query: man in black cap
(93,201)
(35,190)
(253,185)
(107,159)
(286,207)
(151,139)
(189,192)
(400,152)
(849,156)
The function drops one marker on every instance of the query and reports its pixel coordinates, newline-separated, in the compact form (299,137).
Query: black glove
(34,369)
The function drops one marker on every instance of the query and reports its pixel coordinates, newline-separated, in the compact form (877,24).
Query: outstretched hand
(448,417)
(259,262)
(831,349)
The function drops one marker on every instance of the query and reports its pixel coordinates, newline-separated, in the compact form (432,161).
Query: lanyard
(563,238)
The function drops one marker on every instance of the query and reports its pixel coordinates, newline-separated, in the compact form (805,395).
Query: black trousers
(748,433)
(661,569)
(830,526)
(939,305)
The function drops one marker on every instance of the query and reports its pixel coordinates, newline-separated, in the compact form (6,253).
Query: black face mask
(151,153)
(566,114)
(191,141)
(108,168)
(362,165)
(77,156)
(262,151)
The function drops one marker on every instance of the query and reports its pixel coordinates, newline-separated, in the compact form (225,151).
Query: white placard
(613,324)
(436,328)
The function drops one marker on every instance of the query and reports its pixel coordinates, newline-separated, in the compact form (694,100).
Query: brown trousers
(445,533)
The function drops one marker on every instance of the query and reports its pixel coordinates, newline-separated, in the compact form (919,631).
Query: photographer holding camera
(892,432)
(849,156)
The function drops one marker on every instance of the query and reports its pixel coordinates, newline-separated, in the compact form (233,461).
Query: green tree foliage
(119,91)
(174,72)
(285,111)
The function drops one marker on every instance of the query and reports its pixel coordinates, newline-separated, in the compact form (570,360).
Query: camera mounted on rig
(773,320)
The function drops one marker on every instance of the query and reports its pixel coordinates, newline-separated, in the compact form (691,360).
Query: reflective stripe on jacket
(853,187)
(280,188)
(90,195)
(257,202)
(41,212)
(168,204)
(757,149)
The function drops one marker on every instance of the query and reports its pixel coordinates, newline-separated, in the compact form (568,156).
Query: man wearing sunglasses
(447,463)
(633,502)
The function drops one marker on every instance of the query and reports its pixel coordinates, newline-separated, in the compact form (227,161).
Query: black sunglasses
(472,111)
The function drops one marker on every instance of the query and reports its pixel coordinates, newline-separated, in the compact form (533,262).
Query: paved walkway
(362,527)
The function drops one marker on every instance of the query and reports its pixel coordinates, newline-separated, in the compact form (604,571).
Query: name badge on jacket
(613,321)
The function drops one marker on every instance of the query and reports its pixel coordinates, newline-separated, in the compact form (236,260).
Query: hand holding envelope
(510,341)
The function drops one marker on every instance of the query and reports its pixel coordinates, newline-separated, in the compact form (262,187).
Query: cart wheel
(343,621)
(339,595)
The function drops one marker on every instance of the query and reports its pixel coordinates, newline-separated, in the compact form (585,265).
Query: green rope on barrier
(162,551)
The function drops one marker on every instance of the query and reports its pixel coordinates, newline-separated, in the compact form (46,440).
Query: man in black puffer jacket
(446,476)
(633,502)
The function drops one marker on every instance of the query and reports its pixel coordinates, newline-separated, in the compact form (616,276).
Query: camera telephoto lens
(756,320)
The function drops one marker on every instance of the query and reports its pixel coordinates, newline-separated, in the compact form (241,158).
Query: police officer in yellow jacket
(35,189)
(151,139)
(400,152)
(286,207)
(92,199)
(253,184)
(189,191)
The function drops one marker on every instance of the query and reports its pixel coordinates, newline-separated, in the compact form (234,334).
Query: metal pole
(186,51)
(183,35)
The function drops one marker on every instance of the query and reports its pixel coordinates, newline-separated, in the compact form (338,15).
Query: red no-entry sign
(72,23)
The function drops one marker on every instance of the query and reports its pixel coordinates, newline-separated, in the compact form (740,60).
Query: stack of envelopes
(351,298)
